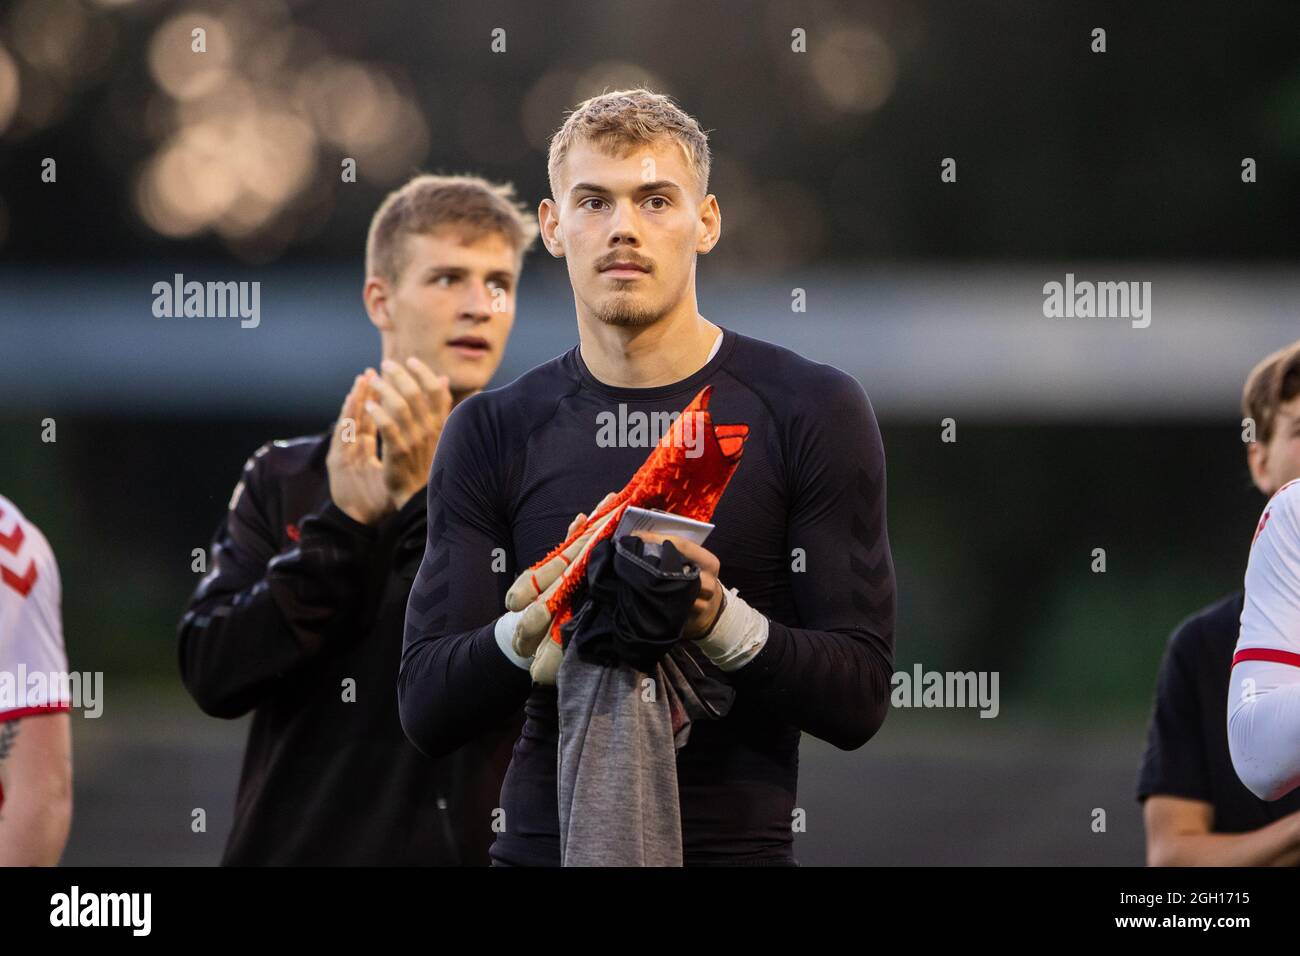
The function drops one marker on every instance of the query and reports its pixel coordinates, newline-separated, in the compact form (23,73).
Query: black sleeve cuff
(411,516)
(766,664)
(339,523)
(504,672)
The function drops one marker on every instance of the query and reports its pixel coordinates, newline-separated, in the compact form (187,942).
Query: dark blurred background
(1072,434)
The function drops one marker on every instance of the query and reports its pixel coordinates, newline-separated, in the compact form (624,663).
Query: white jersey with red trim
(1270,619)
(31,621)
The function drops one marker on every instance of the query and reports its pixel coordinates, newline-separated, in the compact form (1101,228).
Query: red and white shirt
(31,620)
(1270,619)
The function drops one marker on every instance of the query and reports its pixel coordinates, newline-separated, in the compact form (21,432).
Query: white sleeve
(1264,727)
(32,658)
(1264,693)
(1270,619)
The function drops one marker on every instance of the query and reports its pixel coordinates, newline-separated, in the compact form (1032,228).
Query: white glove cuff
(738,635)
(504,632)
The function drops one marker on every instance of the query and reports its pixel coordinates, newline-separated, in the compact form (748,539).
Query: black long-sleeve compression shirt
(800,532)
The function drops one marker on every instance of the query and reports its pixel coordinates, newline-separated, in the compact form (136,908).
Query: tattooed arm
(35,789)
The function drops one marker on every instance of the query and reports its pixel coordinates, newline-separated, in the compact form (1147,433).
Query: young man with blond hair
(795,609)
(1197,809)
(300,617)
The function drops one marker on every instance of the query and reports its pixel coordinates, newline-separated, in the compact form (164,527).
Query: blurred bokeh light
(827,122)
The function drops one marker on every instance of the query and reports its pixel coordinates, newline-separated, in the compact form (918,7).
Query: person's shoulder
(288,456)
(1285,503)
(521,404)
(793,380)
(19,531)
(16,518)
(26,558)
(280,461)
(1278,529)
(1290,491)
(1210,631)
(779,360)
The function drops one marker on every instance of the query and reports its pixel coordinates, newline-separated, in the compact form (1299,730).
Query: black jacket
(299,619)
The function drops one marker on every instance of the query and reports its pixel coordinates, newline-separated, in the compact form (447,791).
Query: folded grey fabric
(619,725)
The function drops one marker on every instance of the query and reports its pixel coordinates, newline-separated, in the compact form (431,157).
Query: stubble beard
(624,312)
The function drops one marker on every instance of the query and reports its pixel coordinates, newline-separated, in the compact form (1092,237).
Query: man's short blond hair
(627,118)
(1271,384)
(469,205)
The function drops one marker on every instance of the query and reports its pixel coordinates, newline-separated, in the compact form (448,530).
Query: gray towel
(617,757)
